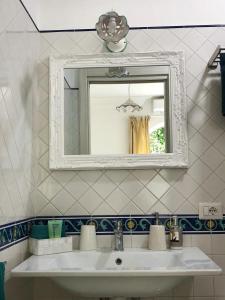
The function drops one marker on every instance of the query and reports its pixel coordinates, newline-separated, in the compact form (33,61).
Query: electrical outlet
(210,210)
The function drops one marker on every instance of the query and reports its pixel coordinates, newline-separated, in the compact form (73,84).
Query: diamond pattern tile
(219,144)
(63,176)
(199,196)
(104,209)
(50,210)
(211,131)
(104,186)
(90,177)
(213,185)
(194,39)
(172,199)
(144,200)
(221,198)
(158,186)
(197,117)
(63,44)
(90,201)
(144,176)
(212,158)
(206,50)
(130,209)
(220,171)
(167,40)
(77,210)
(142,41)
(186,185)
(210,104)
(187,208)
(117,176)
(39,201)
(159,207)
(196,91)
(199,171)
(131,186)
(124,191)
(198,144)
(171,175)
(50,187)
(117,200)
(77,187)
(63,201)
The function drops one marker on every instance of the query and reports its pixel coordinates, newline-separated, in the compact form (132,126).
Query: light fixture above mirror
(113,29)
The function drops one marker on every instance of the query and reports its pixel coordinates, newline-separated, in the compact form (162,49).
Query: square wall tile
(203,241)
(218,244)
(158,186)
(203,286)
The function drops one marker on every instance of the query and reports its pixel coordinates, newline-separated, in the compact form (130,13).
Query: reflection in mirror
(118,111)
(71,113)
(107,114)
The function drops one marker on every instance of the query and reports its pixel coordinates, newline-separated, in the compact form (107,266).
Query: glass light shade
(111,27)
(129,106)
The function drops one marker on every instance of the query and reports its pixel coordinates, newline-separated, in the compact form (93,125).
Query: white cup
(88,238)
(157,238)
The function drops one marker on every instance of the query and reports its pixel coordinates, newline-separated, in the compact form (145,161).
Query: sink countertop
(189,261)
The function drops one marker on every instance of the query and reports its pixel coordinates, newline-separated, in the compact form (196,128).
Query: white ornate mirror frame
(177,159)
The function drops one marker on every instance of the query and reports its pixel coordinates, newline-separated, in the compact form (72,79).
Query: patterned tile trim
(137,224)
(13,233)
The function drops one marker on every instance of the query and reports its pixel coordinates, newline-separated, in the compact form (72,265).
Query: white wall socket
(210,211)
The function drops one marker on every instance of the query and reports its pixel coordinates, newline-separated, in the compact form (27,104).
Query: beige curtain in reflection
(139,135)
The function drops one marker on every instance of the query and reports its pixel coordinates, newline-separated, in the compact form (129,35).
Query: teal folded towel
(2,281)
(40,232)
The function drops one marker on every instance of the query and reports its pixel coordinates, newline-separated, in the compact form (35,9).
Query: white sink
(142,273)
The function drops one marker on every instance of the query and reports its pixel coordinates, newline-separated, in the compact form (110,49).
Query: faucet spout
(118,233)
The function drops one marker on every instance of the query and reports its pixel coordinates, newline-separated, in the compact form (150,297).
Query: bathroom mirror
(118,111)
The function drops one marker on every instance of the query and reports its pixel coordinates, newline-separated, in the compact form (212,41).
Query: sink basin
(131,273)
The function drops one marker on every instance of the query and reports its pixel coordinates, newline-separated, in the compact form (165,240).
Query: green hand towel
(2,281)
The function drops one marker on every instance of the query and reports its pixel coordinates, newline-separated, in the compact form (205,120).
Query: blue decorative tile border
(139,224)
(13,233)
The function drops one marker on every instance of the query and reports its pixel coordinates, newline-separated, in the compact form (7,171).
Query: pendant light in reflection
(129,106)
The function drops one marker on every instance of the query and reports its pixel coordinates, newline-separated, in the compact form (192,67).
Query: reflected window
(126,132)
(111,115)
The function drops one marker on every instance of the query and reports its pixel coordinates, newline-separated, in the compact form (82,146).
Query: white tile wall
(144,191)
(141,191)
(19,46)
(24,146)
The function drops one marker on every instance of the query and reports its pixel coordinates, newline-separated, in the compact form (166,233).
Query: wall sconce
(113,29)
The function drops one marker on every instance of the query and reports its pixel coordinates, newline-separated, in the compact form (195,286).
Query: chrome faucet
(118,232)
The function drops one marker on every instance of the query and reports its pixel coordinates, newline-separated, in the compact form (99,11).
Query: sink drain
(118,261)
